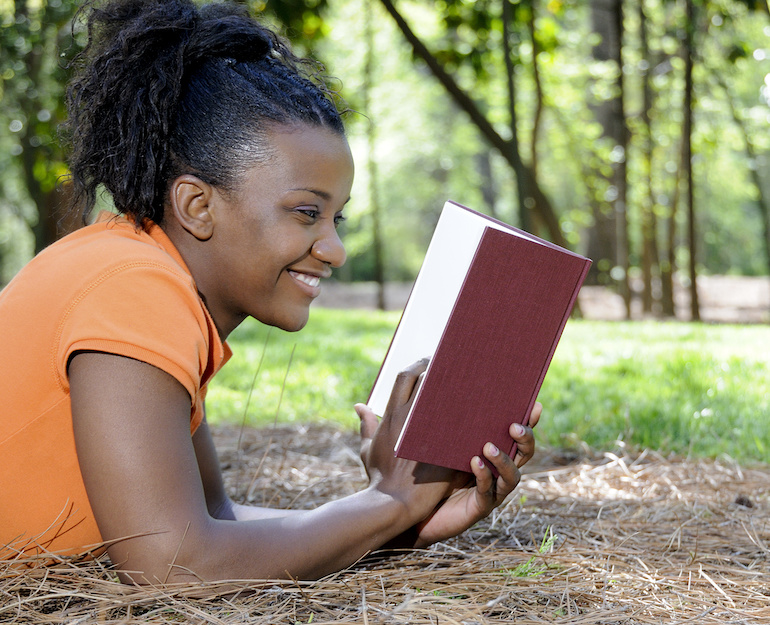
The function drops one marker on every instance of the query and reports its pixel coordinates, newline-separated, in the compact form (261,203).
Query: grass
(691,389)
(333,363)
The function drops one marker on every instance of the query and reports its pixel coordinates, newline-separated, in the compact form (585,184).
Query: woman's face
(275,237)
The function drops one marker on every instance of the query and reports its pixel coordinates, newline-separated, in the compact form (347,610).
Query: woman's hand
(468,498)
(475,499)
(419,486)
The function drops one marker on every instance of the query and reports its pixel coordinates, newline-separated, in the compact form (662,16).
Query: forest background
(637,133)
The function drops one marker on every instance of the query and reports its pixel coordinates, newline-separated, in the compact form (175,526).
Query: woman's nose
(330,249)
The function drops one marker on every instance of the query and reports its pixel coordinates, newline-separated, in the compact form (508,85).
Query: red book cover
(495,348)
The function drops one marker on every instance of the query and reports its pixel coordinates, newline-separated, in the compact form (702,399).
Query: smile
(312,281)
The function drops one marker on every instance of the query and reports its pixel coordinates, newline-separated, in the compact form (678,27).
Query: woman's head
(166,89)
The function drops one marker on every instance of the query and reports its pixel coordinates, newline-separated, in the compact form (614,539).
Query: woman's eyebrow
(320,193)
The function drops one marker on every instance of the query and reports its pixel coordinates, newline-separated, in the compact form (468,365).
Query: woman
(229,170)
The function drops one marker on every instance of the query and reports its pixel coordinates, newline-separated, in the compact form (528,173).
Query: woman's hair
(165,88)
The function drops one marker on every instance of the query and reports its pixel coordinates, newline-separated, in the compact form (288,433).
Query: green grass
(691,389)
(325,369)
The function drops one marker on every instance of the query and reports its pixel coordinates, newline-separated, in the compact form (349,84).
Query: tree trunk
(524,195)
(650,259)
(542,205)
(374,202)
(32,65)
(51,203)
(539,100)
(668,267)
(608,243)
(687,157)
(763,202)
(488,187)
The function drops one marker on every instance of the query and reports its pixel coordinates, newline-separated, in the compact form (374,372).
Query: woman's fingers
(508,472)
(369,420)
(404,386)
(493,491)
(524,437)
(534,416)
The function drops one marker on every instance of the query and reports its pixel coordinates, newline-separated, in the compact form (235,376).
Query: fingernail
(518,430)
(479,462)
(493,451)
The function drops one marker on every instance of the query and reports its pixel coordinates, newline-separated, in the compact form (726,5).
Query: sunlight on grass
(335,360)
(692,389)
(676,387)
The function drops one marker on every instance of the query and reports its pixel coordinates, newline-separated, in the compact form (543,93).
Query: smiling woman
(262,249)
(229,169)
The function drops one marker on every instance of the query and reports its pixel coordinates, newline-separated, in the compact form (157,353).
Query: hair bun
(227,36)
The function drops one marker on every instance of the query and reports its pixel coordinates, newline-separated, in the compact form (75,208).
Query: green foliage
(34,41)
(302,21)
(426,151)
(675,387)
(532,567)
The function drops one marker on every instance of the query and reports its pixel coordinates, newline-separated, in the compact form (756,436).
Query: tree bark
(371,162)
(687,156)
(53,218)
(650,258)
(668,267)
(539,99)
(763,202)
(488,187)
(608,240)
(524,195)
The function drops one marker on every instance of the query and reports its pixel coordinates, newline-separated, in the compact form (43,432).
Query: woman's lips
(311,282)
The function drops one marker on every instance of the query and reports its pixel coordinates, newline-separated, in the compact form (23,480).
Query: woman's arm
(219,505)
(148,490)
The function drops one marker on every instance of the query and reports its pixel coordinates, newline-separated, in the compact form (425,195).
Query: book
(488,308)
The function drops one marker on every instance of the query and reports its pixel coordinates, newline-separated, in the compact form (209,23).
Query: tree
(530,80)
(530,191)
(608,239)
(371,162)
(649,225)
(687,106)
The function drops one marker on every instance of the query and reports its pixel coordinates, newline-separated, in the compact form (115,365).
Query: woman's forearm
(240,512)
(272,544)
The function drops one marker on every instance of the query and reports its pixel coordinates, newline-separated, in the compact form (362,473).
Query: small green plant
(533,568)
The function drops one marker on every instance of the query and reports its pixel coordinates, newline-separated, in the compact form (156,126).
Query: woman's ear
(191,205)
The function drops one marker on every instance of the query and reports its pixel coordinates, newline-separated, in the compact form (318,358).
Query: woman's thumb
(369,421)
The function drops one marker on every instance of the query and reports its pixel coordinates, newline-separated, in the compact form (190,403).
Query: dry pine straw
(638,539)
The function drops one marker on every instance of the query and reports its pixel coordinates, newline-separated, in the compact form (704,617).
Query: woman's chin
(292,324)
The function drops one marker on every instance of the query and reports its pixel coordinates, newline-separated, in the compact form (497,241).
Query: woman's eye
(310,212)
(338,219)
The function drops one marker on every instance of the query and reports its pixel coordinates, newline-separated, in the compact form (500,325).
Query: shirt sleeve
(146,311)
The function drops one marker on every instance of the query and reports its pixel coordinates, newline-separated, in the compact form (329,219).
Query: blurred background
(636,133)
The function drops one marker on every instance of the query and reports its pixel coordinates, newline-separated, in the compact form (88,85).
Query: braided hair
(165,88)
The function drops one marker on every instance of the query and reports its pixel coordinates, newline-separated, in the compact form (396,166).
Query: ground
(611,537)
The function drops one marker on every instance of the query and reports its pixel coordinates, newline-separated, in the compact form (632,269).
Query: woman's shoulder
(111,241)
(107,248)
(110,257)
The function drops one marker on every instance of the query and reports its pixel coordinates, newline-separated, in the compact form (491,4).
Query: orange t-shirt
(110,288)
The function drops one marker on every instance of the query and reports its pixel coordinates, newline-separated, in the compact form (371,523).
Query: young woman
(230,170)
